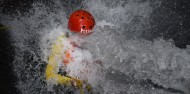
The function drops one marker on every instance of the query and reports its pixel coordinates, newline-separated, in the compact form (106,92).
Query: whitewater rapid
(128,60)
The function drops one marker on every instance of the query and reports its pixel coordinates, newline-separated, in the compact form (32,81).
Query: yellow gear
(4,27)
(51,71)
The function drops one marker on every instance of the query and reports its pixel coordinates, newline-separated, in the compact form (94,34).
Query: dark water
(169,20)
(7,77)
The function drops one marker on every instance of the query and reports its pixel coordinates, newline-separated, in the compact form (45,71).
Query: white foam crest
(29,32)
(160,61)
(118,15)
(48,39)
(83,66)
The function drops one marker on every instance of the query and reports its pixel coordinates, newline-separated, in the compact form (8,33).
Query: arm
(52,67)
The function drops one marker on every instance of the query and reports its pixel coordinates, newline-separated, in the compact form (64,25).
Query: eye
(90,26)
(83,27)
(82,18)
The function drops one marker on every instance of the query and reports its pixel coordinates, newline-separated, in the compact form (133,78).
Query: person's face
(77,40)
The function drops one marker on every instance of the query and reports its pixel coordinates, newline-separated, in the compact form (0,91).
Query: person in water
(80,23)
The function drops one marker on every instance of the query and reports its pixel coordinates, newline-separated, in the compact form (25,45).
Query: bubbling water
(126,59)
(137,59)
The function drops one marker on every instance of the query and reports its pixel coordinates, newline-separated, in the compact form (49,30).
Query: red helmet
(81,21)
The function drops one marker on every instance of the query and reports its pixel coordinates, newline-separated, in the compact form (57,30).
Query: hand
(73,82)
(76,82)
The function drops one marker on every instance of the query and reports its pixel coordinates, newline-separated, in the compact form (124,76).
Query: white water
(126,57)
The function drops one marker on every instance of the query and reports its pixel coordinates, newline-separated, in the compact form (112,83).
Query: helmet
(81,21)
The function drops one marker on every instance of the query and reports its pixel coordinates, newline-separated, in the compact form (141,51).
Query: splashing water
(127,59)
